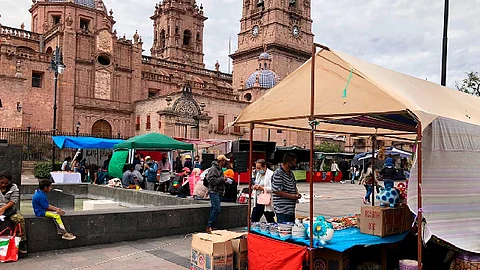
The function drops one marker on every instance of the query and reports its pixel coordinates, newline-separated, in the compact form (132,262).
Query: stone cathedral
(112,89)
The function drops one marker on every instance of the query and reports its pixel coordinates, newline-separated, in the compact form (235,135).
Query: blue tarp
(85,142)
(345,239)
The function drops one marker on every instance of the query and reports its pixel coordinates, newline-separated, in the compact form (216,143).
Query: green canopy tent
(150,141)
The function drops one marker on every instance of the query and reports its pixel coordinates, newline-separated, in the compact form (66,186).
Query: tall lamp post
(445,44)
(77,128)
(57,66)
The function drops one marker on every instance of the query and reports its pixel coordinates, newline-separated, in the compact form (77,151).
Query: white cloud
(402,35)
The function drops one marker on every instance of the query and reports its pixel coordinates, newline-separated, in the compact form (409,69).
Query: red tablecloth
(266,254)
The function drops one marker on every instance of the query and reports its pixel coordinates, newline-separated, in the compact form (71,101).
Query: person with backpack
(215,179)
(388,173)
(150,169)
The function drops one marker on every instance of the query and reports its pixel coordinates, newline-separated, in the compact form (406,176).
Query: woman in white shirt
(66,164)
(333,170)
(263,182)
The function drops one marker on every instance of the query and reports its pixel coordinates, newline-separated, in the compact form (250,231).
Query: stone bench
(128,224)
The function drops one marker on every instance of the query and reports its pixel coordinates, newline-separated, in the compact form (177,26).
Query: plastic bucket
(408,265)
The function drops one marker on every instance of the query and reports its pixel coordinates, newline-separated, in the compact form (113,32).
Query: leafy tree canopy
(471,84)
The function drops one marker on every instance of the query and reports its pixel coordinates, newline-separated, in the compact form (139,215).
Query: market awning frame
(274,110)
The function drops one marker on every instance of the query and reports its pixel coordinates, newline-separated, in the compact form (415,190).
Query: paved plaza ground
(174,252)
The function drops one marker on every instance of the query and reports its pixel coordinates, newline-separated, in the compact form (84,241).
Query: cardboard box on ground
(329,260)
(220,250)
(384,221)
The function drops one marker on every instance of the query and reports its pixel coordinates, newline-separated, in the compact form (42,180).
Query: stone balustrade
(15,32)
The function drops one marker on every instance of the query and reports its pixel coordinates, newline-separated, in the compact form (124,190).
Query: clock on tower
(283,27)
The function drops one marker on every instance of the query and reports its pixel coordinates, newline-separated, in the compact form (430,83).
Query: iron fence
(37,144)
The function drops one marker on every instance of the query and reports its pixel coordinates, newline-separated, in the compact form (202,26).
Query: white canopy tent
(355,97)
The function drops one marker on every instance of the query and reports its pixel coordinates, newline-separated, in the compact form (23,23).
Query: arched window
(49,51)
(265,66)
(162,39)
(187,36)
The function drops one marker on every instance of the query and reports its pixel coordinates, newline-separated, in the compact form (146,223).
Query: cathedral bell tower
(283,26)
(178,32)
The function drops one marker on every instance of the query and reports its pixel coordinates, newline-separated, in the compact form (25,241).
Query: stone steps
(28,167)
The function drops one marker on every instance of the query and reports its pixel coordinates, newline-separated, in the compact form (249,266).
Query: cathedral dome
(86,3)
(265,78)
(264,55)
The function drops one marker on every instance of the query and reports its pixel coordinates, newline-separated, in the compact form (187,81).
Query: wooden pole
(250,166)
(419,191)
(312,138)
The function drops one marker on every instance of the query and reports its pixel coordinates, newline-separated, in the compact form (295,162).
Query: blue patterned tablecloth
(344,239)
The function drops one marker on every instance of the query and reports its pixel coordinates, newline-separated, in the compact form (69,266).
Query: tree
(471,84)
(328,147)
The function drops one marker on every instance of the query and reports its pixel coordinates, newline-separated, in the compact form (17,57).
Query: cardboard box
(213,251)
(328,259)
(240,254)
(384,221)
(239,246)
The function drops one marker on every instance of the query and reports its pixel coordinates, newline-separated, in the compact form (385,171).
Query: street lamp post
(57,66)
(77,128)
(445,44)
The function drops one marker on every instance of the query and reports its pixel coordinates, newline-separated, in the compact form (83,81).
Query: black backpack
(205,182)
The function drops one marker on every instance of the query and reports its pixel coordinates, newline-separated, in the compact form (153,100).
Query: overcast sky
(402,35)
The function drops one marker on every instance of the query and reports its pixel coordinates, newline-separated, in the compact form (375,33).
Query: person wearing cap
(150,169)
(188,162)
(129,180)
(216,186)
(179,185)
(230,194)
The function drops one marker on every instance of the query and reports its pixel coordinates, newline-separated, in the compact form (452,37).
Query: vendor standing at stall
(263,183)
(285,192)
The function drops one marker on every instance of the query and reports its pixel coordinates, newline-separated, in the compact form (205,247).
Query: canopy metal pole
(312,138)
(250,171)
(419,191)
(374,139)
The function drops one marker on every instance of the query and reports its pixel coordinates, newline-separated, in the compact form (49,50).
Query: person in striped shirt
(285,192)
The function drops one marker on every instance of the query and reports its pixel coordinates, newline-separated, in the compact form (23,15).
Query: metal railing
(37,144)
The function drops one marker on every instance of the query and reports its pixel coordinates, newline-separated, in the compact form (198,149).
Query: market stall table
(66,177)
(293,251)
